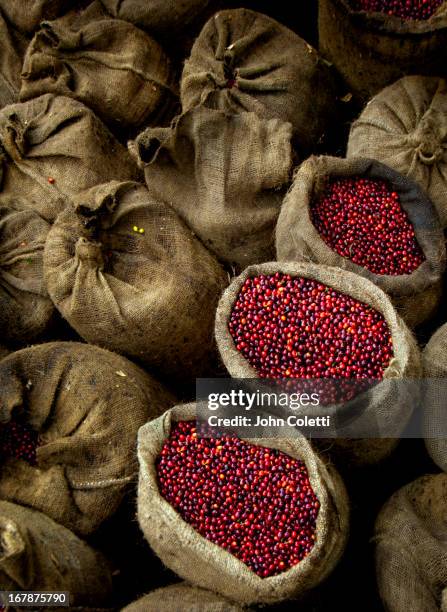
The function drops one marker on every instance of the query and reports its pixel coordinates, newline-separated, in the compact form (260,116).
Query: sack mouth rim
(314,466)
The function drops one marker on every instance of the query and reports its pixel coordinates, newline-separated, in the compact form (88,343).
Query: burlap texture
(12,49)
(434,360)
(114,68)
(225,175)
(372,50)
(87,405)
(52,148)
(37,554)
(384,406)
(246,61)
(416,296)
(209,566)
(26,15)
(158,16)
(182,597)
(405,127)
(25,307)
(151,296)
(411,549)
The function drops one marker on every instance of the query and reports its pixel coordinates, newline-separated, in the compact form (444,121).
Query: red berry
(362,219)
(293,327)
(19,441)
(406,9)
(253,501)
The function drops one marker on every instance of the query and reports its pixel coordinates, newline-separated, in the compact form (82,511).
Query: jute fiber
(38,554)
(225,175)
(386,407)
(86,405)
(150,295)
(52,148)
(411,549)
(405,127)
(417,295)
(207,565)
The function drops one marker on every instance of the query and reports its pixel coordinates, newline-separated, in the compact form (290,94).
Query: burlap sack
(205,564)
(372,50)
(52,148)
(386,407)
(158,16)
(246,61)
(182,597)
(12,49)
(151,295)
(416,296)
(225,175)
(434,361)
(87,405)
(411,549)
(25,307)
(114,68)
(26,15)
(37,554)
(405,127)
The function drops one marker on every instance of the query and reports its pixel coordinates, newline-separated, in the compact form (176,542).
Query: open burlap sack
(25,307)
(26,15)
(225,175)
(411,549)
(183,597)
(52,148)
(37,554)
(385,408)
(416,296)
(405,127)
(211,567)
(86,405)
(151,295)
(372,50)
(246,61)
(434,361)
(114,68)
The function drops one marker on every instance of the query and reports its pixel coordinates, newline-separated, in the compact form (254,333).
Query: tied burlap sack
(52,148)
(26,15)
(182,597)
(411,549)
(86,405)
(246,61)
(225,175)
(434,361)
(151,295)
(26,310)
(162,17)
(385,408)
(405,127)
(37,554)
(209,566)
(372,50)
(114,68)
(416,296)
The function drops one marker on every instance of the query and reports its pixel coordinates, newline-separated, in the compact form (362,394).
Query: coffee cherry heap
(405,9)
(362,219)
(19,441)
(292,327)
(255,502)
